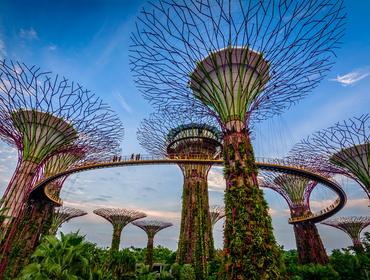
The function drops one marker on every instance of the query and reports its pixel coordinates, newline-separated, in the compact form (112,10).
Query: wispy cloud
(216,181)
(122,101)
(2,48)
(52,47)
(352,77)
(28,34)
(89,206)
(351,203)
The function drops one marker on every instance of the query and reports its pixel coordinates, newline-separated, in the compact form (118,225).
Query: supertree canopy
(296,191)
(239,61)
(46,117)
(340,149)
(64,214)
(170,136)
(38,218)
(151,228)
(217,213)
(352,226)
(41,115)
(119,218)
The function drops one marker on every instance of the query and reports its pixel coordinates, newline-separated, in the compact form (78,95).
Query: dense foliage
(250,248)
(71,257)
(345,264)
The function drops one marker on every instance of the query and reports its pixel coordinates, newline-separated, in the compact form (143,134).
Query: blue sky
(88,41)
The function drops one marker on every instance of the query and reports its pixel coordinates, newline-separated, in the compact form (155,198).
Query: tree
(119,218)
(239,62)
(151,228)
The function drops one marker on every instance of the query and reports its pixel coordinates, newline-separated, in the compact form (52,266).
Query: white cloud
(351,203)
(216,181)
(151,214)
(28,34)
(122,101)
(352,77)
(52,47)
(357,203)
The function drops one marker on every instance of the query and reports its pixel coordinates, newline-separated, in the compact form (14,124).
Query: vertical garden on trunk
(238,63)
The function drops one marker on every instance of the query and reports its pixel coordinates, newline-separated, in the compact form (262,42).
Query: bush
(160,255)
(68,258)
(317,272)
(121,264)
(350,266)
(187,272)
(175,271)
(165,275)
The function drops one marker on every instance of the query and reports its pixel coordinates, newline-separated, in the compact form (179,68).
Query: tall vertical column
(196,238)
(250,248)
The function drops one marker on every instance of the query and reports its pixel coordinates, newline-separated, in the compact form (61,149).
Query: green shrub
(175,271)
(65,259)
(165,275)
(187,272)
(317,272)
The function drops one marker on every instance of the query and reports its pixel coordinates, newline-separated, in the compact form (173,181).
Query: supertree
(352,226)
(151,228)
(217,213)
(42,115)
(119,218)
(39,209)
(241,62)
(296,191)
(64,214)
(170,136)
(340,149)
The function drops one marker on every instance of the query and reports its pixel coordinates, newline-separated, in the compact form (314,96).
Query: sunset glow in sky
(88,42)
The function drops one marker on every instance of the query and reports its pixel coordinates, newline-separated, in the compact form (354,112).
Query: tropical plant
(187,272)
(175,270)
(66,259)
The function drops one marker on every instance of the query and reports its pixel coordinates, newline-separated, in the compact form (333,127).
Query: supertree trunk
(309,245)
(28,234)
(196,239)
(149,251)
(249,245)
(151,227)
(17,190)
(116,238)
(357,245)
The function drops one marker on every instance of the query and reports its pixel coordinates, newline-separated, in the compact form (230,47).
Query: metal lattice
(340,149)
(119,216)
(351,225)
(243,60)
(169,135)
(64,214)
(41,115)
(152,227)
(217,213)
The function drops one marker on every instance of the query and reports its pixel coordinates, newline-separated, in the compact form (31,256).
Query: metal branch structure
(217,213)
(40,209)
(352,226)
(340,149)
(173,136)
(151,228)
(119,218)
(46,116)
(64,214)
(240,62)
(296,191)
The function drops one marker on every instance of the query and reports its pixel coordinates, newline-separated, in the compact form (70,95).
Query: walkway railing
(315,215)
(271,164)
